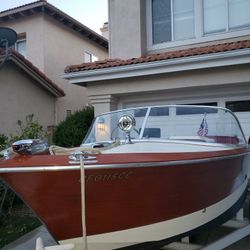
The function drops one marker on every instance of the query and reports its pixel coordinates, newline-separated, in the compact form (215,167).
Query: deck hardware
(75,157)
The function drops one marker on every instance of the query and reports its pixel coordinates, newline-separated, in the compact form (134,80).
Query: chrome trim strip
(85,162)
(115,166)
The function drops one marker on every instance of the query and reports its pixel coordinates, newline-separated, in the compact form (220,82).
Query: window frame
(199,35)
(20,40)
(92,57)
(237,108)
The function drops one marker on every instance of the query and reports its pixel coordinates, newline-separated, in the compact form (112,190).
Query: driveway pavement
(28,241)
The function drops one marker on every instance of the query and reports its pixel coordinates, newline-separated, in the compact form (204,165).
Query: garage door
(240,108)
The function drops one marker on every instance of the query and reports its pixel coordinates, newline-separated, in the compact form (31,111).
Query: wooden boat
(152,175)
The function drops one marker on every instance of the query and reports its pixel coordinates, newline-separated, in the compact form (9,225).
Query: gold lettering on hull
(108,177)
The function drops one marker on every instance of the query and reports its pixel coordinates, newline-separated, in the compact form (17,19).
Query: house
(51,39)
(25,90)
(173,52)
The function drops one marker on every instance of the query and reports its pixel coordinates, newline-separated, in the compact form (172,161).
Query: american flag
(203,130)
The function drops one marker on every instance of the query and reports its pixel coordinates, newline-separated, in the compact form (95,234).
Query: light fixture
(101,124)
(127,123)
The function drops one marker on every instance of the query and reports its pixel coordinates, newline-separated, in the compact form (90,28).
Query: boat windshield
(195,123)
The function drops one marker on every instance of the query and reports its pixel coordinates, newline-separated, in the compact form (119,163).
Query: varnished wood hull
(129,195)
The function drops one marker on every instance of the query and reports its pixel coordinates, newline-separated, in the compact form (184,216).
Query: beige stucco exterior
(21,95)
(127,28)
(183,87)
(51,46)
(130,31)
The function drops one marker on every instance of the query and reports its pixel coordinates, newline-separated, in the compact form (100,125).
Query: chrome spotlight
(30,147)
(127,123)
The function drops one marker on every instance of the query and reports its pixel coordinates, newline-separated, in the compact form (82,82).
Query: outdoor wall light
(101,124)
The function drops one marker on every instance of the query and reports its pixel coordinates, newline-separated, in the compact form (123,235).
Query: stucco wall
(33,26)
(19,96)
(127,28)
(52,46)
(63,47)
(115,94)
(131,32)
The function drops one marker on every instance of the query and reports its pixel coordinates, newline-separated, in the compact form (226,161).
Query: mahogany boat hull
(133,200)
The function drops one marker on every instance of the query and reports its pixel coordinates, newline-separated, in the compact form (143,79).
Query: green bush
(3,142)
(31,129)
(71,131)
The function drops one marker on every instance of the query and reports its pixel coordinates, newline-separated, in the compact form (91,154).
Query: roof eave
(54,90)
(221,59)
(50,10)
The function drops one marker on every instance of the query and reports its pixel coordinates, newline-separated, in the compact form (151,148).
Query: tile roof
(49,84)
(42,6)
(209,49)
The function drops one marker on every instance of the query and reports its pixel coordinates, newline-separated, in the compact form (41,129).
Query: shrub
(31,129)
(71,131)
(3,142)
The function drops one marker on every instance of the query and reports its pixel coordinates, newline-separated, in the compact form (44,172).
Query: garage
(210,75)
(241,109)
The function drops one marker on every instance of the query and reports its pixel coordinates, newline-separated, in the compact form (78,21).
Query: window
(195,110)
(225,15)
(164,111)
(68,112)
(214,16)
(20,46)
(172,20)
(88,57)
(238,106)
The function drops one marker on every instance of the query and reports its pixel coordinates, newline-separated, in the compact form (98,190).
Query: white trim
(159,67)
(202,39)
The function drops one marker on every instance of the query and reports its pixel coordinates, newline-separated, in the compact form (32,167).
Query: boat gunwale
(75,166)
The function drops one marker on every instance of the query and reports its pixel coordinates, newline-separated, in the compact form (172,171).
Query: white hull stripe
(165,229)
(172,227)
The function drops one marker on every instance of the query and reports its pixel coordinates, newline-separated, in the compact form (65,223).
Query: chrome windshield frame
(149,108)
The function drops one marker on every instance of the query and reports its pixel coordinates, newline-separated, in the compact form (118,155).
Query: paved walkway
(28,241)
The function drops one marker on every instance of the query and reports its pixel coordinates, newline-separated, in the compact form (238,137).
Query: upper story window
(178,22)
(20,46)
(225,15)
(88,57)
(172,20)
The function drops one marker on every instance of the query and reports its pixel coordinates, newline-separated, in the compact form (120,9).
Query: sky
(91,13)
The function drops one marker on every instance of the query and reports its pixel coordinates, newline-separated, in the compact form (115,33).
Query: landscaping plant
(71,131)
